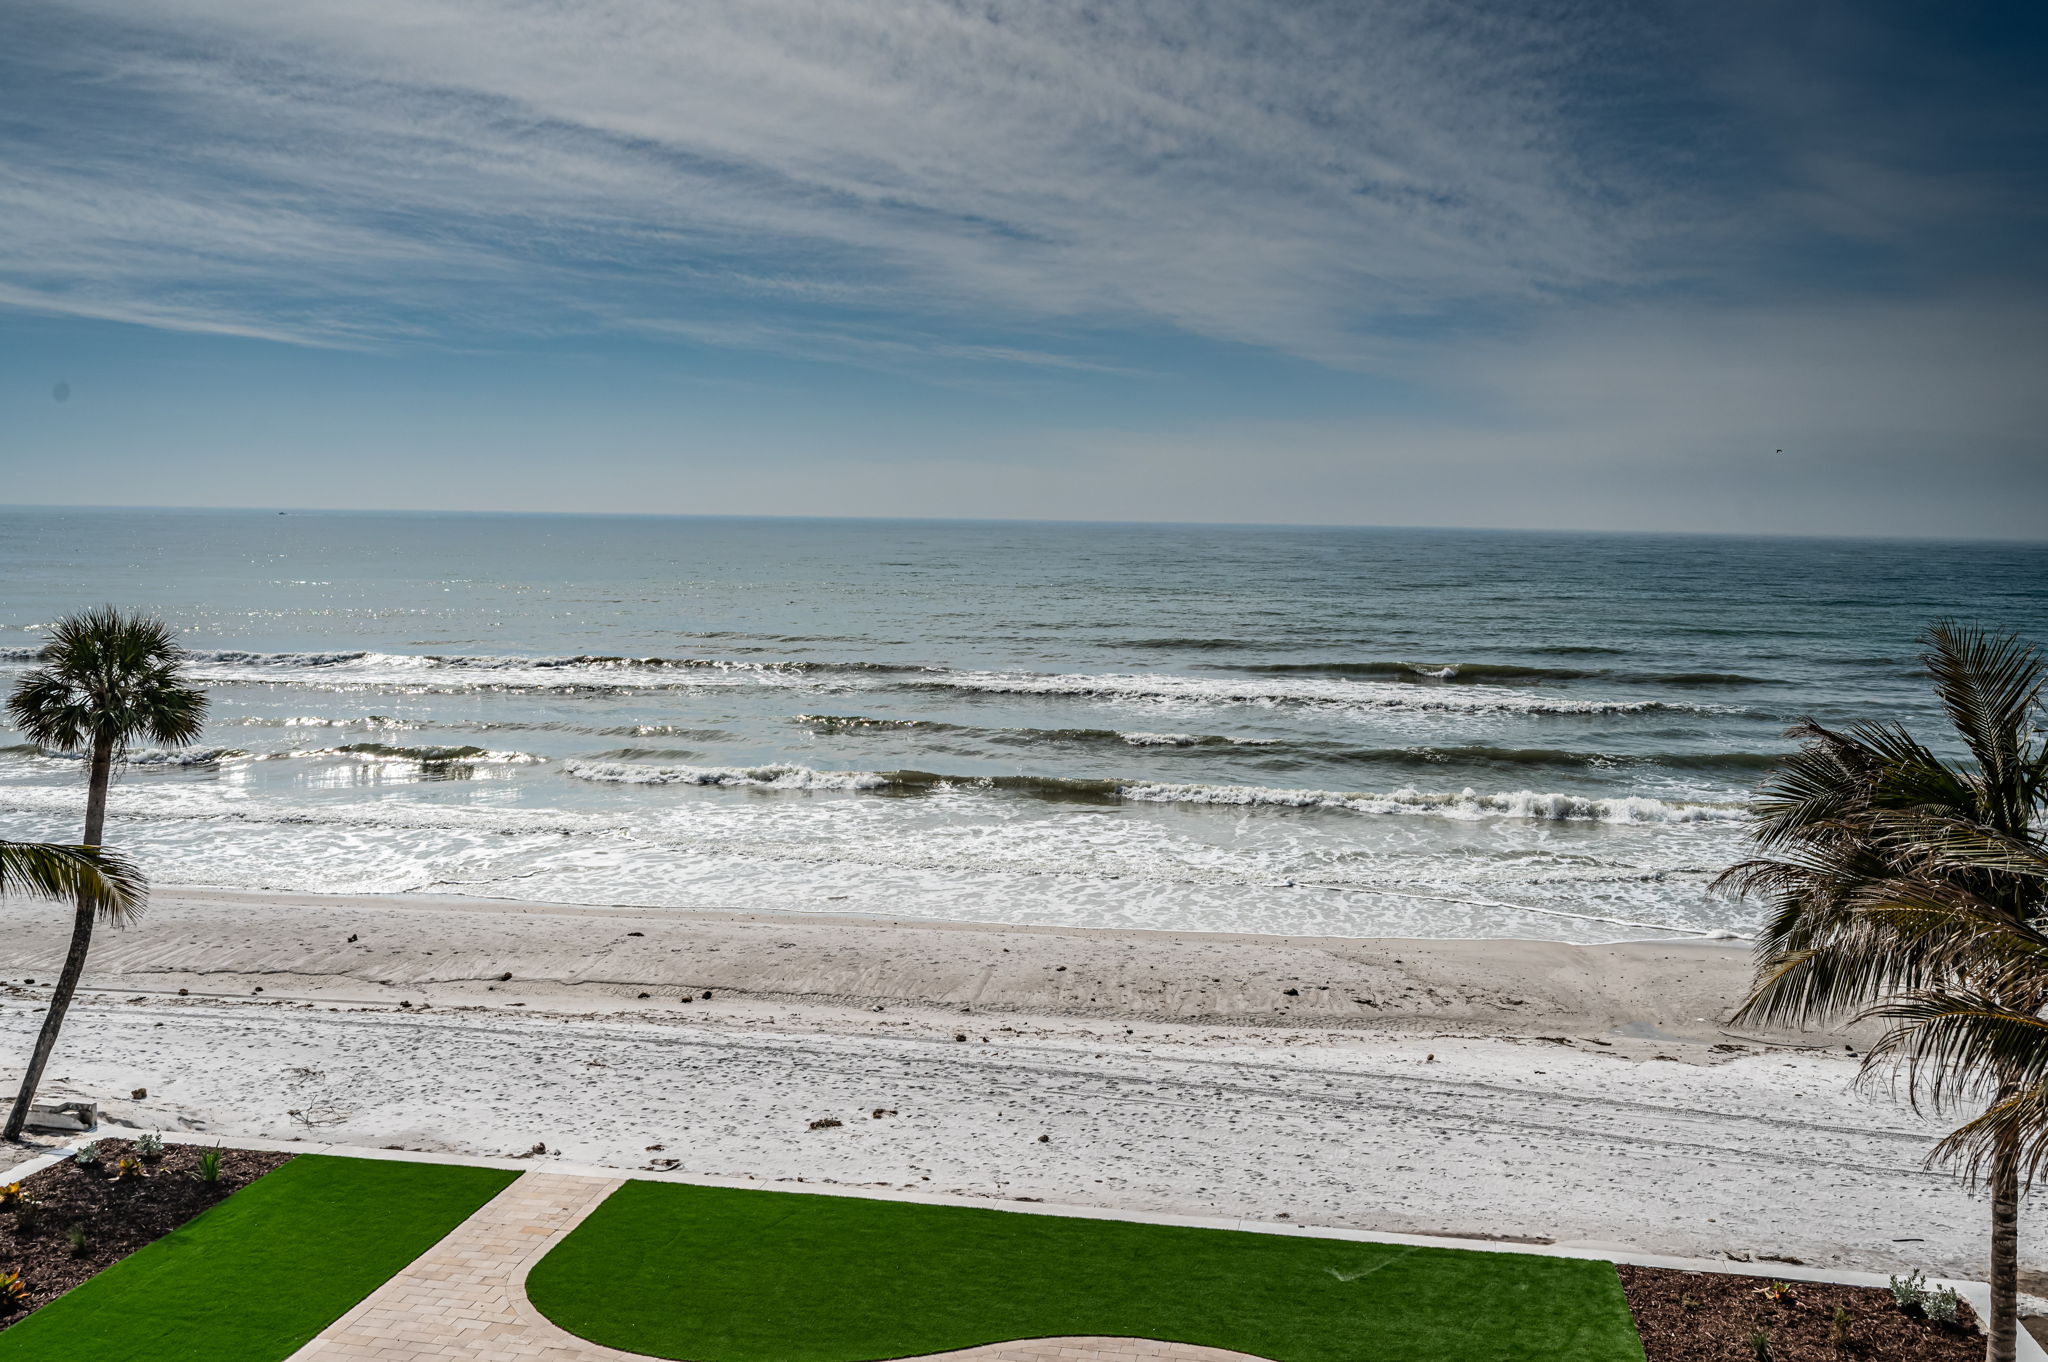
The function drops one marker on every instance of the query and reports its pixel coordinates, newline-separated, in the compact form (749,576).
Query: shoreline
(448,950)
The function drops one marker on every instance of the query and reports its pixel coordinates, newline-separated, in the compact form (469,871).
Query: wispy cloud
(1301,177)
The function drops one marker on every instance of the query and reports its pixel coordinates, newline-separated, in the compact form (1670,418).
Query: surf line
(1708,933)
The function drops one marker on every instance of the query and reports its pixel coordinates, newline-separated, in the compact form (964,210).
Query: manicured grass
(258,1275)
(722,1275)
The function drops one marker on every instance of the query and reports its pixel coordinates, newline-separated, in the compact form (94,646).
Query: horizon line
(1818,535)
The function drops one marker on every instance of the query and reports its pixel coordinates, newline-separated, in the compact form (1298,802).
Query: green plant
(13,1292)
(87,1155)
(1841,1328)
(149,1145)
(1913,888)
(1760,1344)
(1775,1292)
(53,870)
(128,1168)
(209,1165)
(1942,1305)
(28,1215)
(80,1244)
(105,678)
(1910,1290)
(10,1196)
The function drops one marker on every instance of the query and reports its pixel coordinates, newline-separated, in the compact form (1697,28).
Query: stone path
(465,1299)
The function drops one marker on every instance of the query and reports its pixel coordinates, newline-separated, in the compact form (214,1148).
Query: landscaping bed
(1717,1317)
(84,1218)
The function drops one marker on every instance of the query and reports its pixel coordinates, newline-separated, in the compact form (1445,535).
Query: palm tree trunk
(2003,1326)
(81,942)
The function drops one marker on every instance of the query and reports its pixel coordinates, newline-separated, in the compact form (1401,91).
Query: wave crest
(1466,804)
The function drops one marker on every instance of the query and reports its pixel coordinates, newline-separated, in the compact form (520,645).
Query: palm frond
(2016,1120)
(106,882)
(1953,1044)
(1990,685)
(1939,838)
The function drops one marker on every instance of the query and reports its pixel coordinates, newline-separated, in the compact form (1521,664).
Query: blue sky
(1375,262)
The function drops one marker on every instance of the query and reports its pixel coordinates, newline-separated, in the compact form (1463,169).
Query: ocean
(1355,732)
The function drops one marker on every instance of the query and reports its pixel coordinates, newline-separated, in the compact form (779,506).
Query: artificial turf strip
(256,1277)
(724,1275)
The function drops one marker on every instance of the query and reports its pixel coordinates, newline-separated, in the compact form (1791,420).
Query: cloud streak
(1289,176)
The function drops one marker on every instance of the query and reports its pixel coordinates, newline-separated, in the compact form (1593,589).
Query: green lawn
(720,1275)
(258,1275)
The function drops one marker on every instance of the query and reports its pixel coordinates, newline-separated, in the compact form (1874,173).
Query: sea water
(1358,732)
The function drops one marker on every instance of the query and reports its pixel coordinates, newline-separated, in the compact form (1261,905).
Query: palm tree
(1913,889)
(106,678)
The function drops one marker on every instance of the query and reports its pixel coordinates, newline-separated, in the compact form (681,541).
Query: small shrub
(80,1245)
(1760,1344)
(128,1168)
(10,1196)
(88,1155)
(1915,1297)
(28,1215)
(209,1165)
(150,1145)
(13,1292)
(1841,1328)
(1908,1291)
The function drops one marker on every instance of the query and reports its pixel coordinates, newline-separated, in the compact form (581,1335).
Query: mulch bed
(118,1217)
(1715,1317)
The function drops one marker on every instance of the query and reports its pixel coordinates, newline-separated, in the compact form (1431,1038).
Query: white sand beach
(1587,1095)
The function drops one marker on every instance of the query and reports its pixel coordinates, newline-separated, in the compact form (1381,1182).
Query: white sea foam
(421,756)
(154,756)
(1323,691)
(377,721)
(1463,804)
(1466,804)
(778,777)
(427,674)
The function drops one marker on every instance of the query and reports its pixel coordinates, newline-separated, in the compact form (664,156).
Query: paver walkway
(465,1298)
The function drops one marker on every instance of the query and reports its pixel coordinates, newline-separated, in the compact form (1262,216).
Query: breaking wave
(357,751)
(1466,804)
(861,723)
(425,756)
(1470,753)
(774,777)
(1321,691)
(1485,672)
(147,756)
(1357,685)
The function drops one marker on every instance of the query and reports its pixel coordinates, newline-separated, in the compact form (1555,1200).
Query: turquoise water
(1359,732)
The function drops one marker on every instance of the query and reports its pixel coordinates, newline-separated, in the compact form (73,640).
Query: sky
(1744,267)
